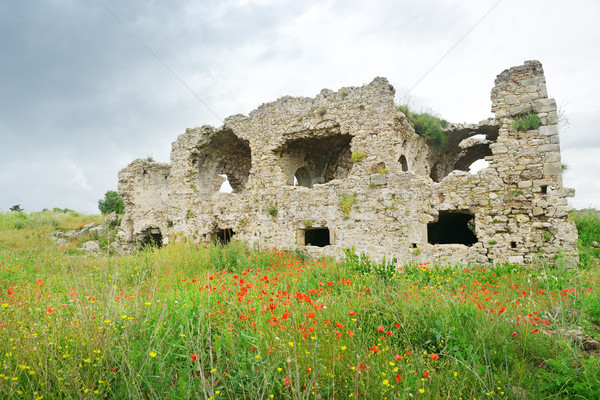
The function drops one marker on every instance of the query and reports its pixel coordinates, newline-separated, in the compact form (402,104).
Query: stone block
(549,147)
(525,184)
(552,168)
(511,99)
(544,105)
(549,130)
(520,109)
(537,211)
(553,157)
(566,192)
(378,179)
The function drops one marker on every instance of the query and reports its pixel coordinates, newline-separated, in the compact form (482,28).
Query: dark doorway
(452,228)
(317,237)
(223,236)
(150,237)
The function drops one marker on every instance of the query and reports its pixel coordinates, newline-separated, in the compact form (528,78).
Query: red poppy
(380,328)
(10,292)
(434,356)
(311,315)
(352,313)
(339,325)
(535,331)
(426,374)
(194,357)
(374,349)
(398,378)
(362,366)
(50,310)
(244,317)
(398,357)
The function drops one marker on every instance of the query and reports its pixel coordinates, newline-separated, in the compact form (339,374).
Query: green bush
(427,125)
(526,122)
(112,202)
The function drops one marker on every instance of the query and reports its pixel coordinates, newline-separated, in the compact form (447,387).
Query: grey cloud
(81,96)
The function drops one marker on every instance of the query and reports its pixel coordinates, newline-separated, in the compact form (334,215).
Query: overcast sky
(81,96)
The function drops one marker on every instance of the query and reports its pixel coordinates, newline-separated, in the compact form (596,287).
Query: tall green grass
(188,321)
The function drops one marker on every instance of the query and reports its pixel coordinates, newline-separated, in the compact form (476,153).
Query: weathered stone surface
(112,219)
(92,246)
(378,179)
(98,229)
(116,248)
(308,170)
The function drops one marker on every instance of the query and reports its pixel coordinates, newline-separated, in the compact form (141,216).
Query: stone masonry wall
(294,180)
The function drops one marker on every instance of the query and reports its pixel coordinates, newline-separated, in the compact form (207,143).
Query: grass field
(230,322)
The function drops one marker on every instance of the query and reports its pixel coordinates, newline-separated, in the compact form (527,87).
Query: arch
(303,177)
(403,163)
(315,160)
(225,158)
(472,154)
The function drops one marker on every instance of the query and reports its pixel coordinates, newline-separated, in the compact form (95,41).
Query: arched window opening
(223,164)
(403,163)
(303,177)
(452,227)
(312,160)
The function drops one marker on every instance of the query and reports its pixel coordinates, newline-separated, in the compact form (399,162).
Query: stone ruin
(346,169)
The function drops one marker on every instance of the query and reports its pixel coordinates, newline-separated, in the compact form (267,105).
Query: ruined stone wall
(290,166)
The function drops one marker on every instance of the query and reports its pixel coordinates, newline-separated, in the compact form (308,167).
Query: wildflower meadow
(190,321)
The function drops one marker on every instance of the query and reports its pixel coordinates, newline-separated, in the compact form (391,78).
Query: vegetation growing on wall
(427,125)
(526,122)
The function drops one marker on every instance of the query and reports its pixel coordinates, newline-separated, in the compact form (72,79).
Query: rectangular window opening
(452,227)
(319,237)
(513,245)
(544,189)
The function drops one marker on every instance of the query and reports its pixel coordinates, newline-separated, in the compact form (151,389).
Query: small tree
(16,208)
(112,202)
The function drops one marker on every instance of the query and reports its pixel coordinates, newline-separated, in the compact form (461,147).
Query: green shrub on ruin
(526,122)
(427,125)
(357,156)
